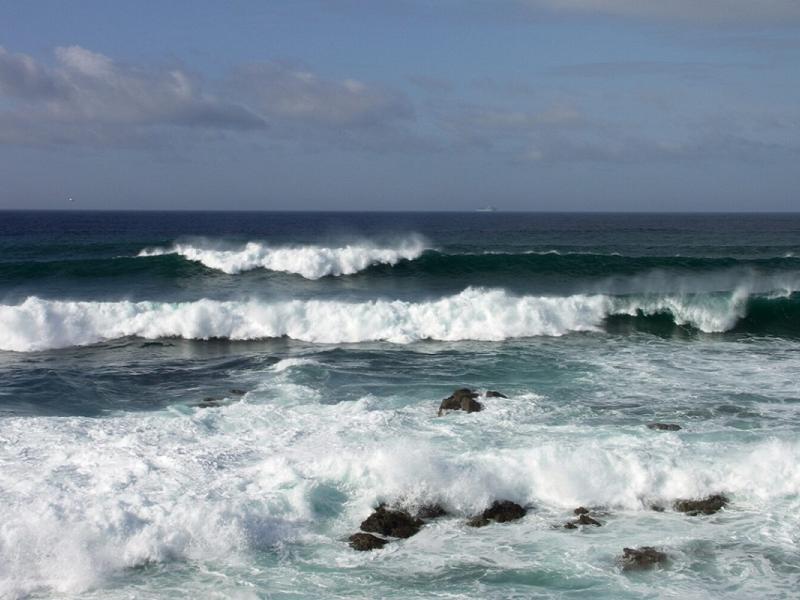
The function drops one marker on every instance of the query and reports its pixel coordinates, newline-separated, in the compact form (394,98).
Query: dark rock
(570,525)
(366,541)
(238,392)
(645,557)
(209,403)
(657,507)
(431,511)
(479,521)
(581,511)
(503,511)
(664,426)
(461,399)
(587,520)
(704,506)
(493,394)
(396,523)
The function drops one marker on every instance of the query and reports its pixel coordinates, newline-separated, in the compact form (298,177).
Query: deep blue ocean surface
(209,404)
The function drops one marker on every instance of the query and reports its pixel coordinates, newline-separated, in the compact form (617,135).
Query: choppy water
(345,331)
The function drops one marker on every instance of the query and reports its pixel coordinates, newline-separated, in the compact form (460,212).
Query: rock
(209,402)
(570,525)
(664,426)
(493,394)
(645,557)
(461,399)
(581,511)
(366,541)
(479,521)
(657,508)
(396,523)
(587,520)
(431,511)
(503,511)
(238,392)
(705,506)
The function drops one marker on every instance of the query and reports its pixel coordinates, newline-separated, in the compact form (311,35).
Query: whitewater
(210,405)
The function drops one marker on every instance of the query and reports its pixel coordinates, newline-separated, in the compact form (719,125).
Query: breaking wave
(312,262)
(474,314)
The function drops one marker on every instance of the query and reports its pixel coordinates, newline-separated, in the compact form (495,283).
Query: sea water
(206,405)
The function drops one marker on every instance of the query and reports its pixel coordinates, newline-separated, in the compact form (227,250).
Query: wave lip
(311,261)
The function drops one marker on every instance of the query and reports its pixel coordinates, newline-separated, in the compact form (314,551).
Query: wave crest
(311,262)
(474,314)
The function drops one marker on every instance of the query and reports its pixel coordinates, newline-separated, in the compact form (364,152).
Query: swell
(441,264)
(373,262)
(474,314)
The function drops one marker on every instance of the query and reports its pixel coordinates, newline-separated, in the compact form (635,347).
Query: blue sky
(411,104)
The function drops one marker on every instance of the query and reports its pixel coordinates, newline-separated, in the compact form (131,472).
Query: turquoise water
(117,481)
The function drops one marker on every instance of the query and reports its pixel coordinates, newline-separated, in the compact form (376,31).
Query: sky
(540,105)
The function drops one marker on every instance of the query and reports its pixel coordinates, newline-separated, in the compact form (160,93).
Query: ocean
(207,405)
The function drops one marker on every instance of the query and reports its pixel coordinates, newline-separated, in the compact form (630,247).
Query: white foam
(474,314)
(312,262)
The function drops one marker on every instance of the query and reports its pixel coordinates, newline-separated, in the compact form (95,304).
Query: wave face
(474,314)
(312,262)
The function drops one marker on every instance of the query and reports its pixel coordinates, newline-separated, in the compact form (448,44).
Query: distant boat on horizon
(486,209)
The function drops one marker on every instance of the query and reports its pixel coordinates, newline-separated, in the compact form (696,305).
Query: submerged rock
(209,402)
(644,557)
(493,394)
(366,541)
(664,426)
(431,511)
(583,519)
(581,510)
(238,392)
(501,511)
(587,520)
(396,523)
(704,506)
(461,399)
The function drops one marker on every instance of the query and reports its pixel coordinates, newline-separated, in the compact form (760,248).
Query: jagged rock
(581,510)
(431,511)
(645,557)
(366,541)
(570,525)
(587,520)
(479,521)
(664,426)
(501,511)
(704,506)
(396,523)
(209,402)
(504,510)
(493,394)
(461,399)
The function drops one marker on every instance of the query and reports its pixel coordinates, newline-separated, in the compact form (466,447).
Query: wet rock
(431,511)
(479,521)
(504,510)
(396,523)
(581,510)
(493,394)
(664,426)
(657,507)
(645,557)
(209,402)
(570,525)
(704,506)
(501,511)
(366,541)
(587,520)
(238,392)
(461,399)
